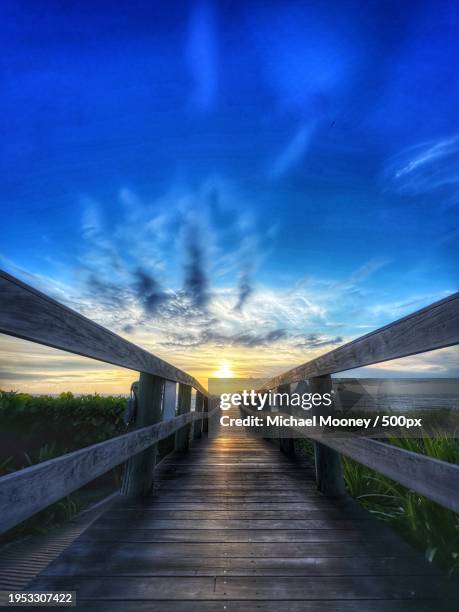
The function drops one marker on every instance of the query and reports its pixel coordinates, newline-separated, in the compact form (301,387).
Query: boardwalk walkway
(235,525)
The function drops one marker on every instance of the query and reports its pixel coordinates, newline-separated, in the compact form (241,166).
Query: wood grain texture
(26,492)
(433,327)
(29,314)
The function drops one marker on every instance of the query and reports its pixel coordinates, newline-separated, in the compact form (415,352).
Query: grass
(38,428)
(428,526)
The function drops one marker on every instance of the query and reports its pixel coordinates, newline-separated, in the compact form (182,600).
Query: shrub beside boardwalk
(35,428)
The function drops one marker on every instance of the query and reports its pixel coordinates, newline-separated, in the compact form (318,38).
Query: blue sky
(255,182)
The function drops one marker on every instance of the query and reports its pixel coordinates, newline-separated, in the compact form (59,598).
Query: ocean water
(395,394)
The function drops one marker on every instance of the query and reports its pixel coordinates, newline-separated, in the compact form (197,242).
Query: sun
(225,371)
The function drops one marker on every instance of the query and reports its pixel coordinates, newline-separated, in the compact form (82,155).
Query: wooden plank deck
(235,525)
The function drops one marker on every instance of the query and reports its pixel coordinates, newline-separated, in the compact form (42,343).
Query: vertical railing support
(170,400)
(329,470)
(138,476)
(205,420)
(182,436)
(197,425)
(286,444)
(166,446)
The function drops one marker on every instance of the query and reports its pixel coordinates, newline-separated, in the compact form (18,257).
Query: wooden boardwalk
(235,525)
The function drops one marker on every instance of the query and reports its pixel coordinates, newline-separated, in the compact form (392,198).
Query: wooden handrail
(25,492)
(433,327)
(31,315)
(435,479)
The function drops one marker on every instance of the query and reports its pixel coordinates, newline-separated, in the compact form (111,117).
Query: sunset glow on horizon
(224,371)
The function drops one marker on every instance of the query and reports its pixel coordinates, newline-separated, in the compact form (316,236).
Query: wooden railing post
(205,421)
(286,444)
(166,446)
(182,436)
(169,399)
(197,425)
(329,471)
(138,476)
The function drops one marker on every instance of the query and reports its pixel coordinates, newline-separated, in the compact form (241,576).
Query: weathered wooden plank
(228,499)
(196,588)
(130,560)
(230,492)
(253,550)
(296,536)
(170,477)
(388,605)
(29,314)
(27,491)
(256,494)
(248,524)
(314,512)
(229,468)
(192,483)
(246,481)
(433,327)
(310,505)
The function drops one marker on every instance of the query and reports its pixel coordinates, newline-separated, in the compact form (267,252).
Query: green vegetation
(37,428)
(427,525)
(65,422)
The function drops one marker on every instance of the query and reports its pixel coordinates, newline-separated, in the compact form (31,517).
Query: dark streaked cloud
(245,290)
(250,339)
(195,281)
(243,339)
(148,291)
(312,341)
(105,292)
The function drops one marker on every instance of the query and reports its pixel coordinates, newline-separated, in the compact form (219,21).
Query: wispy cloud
(363,273)
(429,166)
(294,152)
